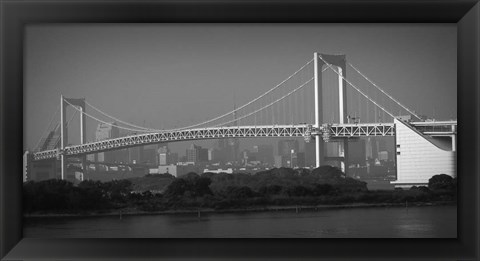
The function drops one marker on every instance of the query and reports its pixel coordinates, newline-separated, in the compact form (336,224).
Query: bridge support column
(319,143)
(64,102)
(338,61)
(63,137)
(342,108)
(83,140)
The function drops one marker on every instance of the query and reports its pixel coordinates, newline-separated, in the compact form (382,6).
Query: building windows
(398,145)
(398,152)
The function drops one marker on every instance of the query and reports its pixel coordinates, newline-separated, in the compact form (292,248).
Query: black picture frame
(15,15)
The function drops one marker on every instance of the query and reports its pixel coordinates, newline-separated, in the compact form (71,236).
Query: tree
(239,192)
(442,181)
(322,189)
(177,188)
(201,186)
(117,190)
(191,176)
(92,195)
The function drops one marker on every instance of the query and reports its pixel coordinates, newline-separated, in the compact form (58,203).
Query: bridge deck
(303,130)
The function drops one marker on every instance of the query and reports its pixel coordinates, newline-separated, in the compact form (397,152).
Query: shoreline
(272,208)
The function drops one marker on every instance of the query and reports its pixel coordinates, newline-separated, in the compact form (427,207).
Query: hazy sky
(166,75)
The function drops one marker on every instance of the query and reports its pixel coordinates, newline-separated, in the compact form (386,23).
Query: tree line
(280,187)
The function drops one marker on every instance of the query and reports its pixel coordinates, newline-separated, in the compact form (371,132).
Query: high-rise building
(357,152)
(150,155)
(233,149)
(196,154)
(301,159)
(191,153)
(310,153)
(372,148)
(288,149)
(222,150)
(107,131)
(265,154)
(135,155)
(382,145)
(163,155)
(278,161)
(211,154)
(203,155)
(245,156)
(228,150)
(383,155)
(173,159)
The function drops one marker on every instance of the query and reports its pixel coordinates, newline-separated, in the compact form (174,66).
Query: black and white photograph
(240,130)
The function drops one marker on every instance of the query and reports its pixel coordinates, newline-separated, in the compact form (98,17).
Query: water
(397,222)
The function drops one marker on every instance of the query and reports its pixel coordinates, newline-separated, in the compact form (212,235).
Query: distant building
(203,155)
(173,159)
(382,145)
(229,149)
(104,132)
(187,168)
(168,169)
(197,154)
(245,156)
(383,155)
(163,153)
(301,160)
(150,155)
(371,148)
(310,154)
(265,154)
(135,155)
(228,171)
(357,152)
(278,161)
(211,154)
(287,149)
(43,169)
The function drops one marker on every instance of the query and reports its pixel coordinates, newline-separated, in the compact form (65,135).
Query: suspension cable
(143,129)
(47,128)
(110,124)
(384,92)
(211,120)
(250,102)
(272,103)
(68,123)
(355,87)
(116,119)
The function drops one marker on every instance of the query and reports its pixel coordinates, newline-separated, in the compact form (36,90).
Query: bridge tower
(338,61)
(64,103)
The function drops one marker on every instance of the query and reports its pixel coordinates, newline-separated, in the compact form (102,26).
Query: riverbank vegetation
(276,187)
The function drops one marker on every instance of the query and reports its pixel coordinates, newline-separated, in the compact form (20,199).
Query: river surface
(382,222)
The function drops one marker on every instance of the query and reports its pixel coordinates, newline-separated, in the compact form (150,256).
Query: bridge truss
(327,131)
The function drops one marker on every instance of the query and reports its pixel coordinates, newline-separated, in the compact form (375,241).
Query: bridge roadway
(302,130)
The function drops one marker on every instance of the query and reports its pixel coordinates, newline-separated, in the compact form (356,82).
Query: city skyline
(188,74)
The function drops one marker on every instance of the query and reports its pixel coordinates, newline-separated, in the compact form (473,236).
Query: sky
(166,75)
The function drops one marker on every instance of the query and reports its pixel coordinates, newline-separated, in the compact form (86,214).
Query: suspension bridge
(317,102)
